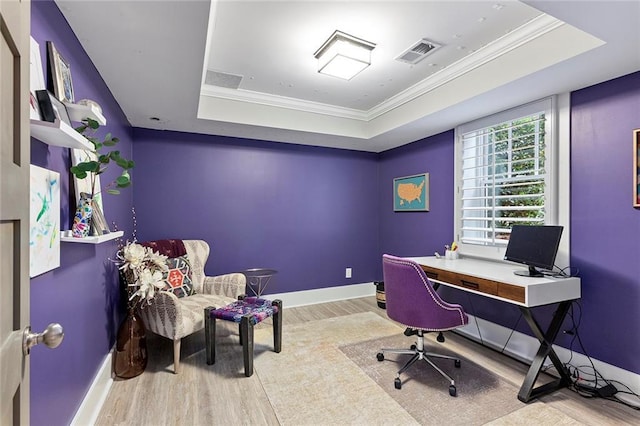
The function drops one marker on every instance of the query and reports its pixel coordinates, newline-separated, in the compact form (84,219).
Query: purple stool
(247,312)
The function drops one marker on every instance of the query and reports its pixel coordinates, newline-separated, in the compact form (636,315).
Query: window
(505,176)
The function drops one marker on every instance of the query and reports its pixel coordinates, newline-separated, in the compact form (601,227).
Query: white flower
(143,271)
(134,255)
(160,260)
(148,283)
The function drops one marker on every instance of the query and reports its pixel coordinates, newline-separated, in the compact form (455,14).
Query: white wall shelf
(65,237)
(80,112)
(59,133)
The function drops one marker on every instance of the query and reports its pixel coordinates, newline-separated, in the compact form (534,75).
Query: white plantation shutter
(503,170)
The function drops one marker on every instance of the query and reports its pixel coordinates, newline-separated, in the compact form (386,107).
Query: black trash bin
(380,296)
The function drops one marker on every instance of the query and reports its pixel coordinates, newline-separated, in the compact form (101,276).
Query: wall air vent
(418,51)
(221,79)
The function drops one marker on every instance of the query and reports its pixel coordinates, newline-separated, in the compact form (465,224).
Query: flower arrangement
(143,270)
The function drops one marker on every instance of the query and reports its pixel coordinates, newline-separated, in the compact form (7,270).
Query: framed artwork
(36,79)
(34,108)
(44,223)
(411,193)
(60,72)
(636,168)
(99,225)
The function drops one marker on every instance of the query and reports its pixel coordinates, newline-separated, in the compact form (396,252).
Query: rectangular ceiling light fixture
(344,56)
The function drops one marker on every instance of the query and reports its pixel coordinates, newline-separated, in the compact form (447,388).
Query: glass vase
(131,347)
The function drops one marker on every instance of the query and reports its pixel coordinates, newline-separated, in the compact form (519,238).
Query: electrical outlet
(347,273)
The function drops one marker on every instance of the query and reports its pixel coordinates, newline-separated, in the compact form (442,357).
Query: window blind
(503,179)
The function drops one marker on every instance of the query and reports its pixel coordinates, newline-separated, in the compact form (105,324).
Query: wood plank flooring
(220,394)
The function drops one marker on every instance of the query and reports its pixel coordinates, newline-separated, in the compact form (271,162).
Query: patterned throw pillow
(178,277)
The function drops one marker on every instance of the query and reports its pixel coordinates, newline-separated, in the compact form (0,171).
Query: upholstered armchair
(175,317)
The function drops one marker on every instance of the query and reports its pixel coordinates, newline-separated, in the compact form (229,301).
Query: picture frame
(34,108)
(51,108)
(36,80)
(60,75)
(411,193)
(99,225)
(44,220)
(636,168)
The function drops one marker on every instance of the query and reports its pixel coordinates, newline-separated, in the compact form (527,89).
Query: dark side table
(258,279)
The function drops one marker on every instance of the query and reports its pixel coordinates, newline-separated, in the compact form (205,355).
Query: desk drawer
(465,281)
(494,288)
(511,292)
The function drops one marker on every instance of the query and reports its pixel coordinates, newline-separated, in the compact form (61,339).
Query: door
(14,209)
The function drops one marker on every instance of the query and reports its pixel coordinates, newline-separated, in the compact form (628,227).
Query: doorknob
(52,337)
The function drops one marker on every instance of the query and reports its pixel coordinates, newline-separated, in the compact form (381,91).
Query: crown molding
(521,35)
(525,33)
(282,102)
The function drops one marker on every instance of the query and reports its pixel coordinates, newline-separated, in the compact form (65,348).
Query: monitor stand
(531,272)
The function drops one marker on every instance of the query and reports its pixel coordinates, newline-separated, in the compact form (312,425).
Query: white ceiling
(155,54)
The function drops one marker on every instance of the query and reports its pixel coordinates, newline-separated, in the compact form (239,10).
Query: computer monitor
(534,246)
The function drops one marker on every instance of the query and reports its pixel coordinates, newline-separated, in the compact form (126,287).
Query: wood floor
(220,394)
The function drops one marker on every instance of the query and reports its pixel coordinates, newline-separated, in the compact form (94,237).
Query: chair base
(418,353)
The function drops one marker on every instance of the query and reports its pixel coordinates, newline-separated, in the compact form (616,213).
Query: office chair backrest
(412,301)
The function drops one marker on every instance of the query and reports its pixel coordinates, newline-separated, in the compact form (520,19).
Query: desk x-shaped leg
(527,392)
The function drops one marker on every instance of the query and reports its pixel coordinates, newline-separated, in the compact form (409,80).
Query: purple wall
(605,226)
(307,212)
(82,294)
(605,232)
(310,212)
(418,233)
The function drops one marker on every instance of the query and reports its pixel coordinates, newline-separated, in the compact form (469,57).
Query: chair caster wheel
(452,390)
(398,384)
(380,356)
(413,347)
(457,363)
(440,337)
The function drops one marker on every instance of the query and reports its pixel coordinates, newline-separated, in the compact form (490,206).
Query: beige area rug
(537,413)
(328,374)
(311,382)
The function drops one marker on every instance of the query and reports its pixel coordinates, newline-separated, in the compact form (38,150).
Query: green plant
(99,162)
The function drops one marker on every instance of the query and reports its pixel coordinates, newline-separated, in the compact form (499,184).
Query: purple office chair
(413,302)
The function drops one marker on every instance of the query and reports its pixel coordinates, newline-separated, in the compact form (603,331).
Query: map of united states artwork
(411,193)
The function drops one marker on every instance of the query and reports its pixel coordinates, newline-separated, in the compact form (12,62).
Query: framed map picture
(411,193)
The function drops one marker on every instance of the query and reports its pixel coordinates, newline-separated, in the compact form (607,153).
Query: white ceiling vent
(221,79)
(418,51)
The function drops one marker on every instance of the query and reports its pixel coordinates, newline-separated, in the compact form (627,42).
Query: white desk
(496,280)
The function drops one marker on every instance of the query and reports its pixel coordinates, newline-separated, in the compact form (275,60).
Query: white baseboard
(324,295)
(520,346)
(524,347)
(88,411)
